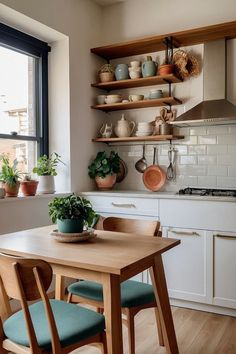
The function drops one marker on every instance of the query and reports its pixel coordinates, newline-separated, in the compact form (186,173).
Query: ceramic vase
(149,67)
(122,72)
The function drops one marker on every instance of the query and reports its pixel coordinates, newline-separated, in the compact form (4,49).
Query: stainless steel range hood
(215,108)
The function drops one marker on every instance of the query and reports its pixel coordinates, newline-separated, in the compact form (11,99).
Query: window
(23,97)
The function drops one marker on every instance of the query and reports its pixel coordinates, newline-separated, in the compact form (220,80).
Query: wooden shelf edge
(151,44)
(165,101)
(155,138)
(141,82)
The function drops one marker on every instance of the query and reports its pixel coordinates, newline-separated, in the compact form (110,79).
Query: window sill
(36,197)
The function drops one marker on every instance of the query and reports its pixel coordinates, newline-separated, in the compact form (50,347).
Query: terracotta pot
(166,69)
(106,183)
(106,77)
(29,188)
(11,190)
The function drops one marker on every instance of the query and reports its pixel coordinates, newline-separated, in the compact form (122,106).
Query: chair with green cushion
(46,326)
(135,296)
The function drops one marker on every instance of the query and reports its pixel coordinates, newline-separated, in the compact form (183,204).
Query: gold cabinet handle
(185,233)
(117,205)
(228,237)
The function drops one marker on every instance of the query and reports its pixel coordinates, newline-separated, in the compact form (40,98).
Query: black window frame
(23,43)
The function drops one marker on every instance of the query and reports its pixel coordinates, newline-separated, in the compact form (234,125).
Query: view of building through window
(18,107)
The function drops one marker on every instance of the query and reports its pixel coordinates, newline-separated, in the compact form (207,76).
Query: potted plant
(106,73)
(9,176)
(28,186)
(71,213)
(46,170)
(104,169)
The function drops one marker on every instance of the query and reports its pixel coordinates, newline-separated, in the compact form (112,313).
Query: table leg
(160,288)
(112,312)
(60,287)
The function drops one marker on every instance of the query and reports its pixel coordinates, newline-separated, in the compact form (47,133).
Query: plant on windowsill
(71,213)
(28,186)
(9,175)
(104,169)
(46,170)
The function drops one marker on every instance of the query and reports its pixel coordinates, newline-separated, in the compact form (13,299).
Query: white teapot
(124,128)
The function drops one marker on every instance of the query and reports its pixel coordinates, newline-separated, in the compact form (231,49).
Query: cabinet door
(185,265)
(224,280)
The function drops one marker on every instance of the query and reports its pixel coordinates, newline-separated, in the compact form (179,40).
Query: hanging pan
(154,177)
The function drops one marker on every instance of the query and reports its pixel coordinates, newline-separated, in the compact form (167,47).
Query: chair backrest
(145,227)
(25,268)
(26,280)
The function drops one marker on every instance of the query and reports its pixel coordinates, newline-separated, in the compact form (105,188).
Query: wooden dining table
(109,259)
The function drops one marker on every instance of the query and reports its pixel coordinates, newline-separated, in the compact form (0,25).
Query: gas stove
(208,192)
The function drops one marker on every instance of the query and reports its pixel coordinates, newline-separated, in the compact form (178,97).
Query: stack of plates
(144,129)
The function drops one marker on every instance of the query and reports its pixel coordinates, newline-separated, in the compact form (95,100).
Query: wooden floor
(197,333)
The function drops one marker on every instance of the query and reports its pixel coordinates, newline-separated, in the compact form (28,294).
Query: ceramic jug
(122,72)
(106,130)
(149,67)
(124,128)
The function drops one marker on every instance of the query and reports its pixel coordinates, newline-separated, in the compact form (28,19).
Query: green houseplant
(9,175)
(71,213)
(104,169)
(46,170)
(28,185)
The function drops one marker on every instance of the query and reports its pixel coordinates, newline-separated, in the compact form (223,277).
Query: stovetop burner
(208,192)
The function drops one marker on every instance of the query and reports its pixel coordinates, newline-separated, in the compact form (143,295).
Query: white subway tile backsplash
(217,149)
(227,139)
(228,160)
(188,160)
(207,181)
(207,160)
(226,182)
(232,171)
(217,129)
(208,139)
(197,149)
(217,171)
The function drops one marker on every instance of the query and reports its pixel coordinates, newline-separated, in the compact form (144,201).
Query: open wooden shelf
(165,101)
(154,138)
(225,30)
(143,81)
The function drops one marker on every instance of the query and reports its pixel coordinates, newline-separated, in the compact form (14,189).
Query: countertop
(156,195)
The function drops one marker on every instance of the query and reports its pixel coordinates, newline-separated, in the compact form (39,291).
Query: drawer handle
(117,205)
(228,237)
(185,233)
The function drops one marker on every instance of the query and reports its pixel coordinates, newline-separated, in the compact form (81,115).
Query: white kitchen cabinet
(224,269)
(185,265)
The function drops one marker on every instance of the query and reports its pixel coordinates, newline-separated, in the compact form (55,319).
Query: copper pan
(154,177)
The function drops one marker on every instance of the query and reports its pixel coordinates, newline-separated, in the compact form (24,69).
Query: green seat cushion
(74,323)
(133,293)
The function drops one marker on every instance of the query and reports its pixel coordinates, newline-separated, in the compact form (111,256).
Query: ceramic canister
(122,72)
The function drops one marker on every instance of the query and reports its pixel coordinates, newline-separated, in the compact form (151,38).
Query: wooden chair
(135,296)
(46,326)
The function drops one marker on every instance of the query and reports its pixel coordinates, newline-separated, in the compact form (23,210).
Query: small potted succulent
(104,169)
(71,213)
(28,186)
(9,175)
(46,170)
(106,73)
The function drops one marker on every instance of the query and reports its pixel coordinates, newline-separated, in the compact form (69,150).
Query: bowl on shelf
(110,99)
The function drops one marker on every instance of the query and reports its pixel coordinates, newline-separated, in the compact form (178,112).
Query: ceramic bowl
(110,99)
(153,94)
(101,99)
(135,98)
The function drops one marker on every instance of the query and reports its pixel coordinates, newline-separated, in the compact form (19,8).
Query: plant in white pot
(71,213)
(104,169)
(46,170)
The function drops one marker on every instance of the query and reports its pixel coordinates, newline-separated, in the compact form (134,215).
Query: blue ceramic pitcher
(122,72)
(149,67)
